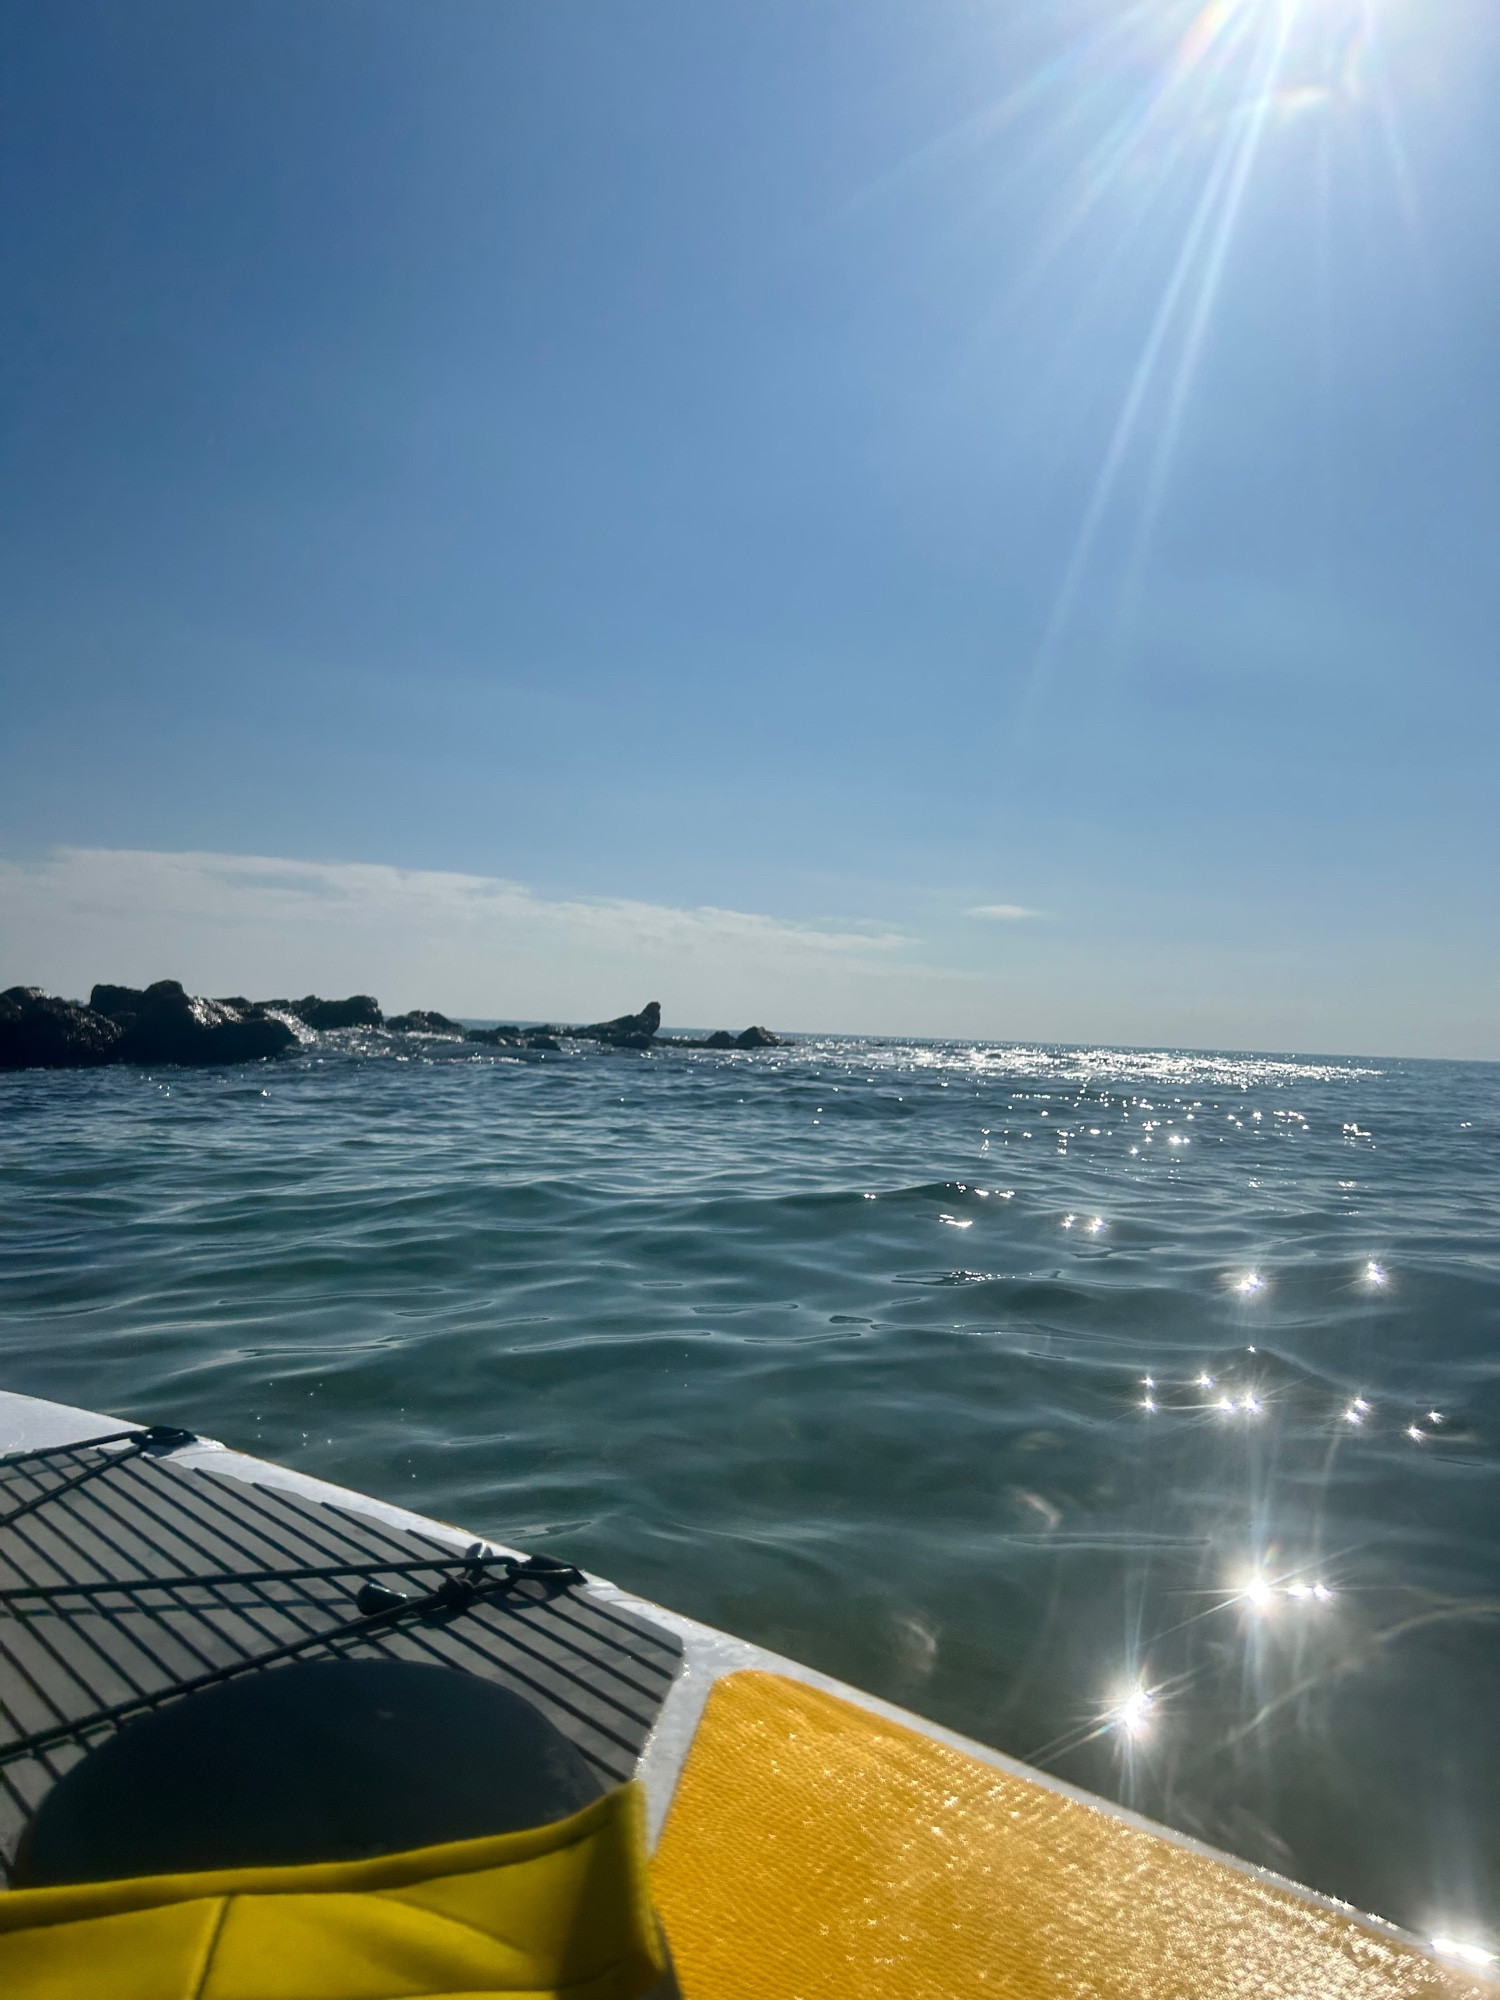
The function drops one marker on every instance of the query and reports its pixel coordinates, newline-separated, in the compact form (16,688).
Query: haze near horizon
(964,521)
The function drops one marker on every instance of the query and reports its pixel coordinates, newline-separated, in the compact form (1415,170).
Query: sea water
(1134,1412)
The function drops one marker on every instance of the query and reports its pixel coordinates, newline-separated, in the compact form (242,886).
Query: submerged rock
(424,1021)
(360,1010)
(40,1032)
(163,1024)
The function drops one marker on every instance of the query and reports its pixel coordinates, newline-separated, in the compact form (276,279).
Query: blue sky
(506,502)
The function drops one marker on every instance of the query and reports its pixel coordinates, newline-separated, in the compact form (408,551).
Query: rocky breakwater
(127,1024)
(625,1031)
(163,1024)
(748,1038)
(360,1010)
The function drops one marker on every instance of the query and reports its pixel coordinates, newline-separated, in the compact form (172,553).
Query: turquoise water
(845,1347)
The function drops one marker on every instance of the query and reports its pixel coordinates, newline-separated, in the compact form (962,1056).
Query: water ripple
(995,1379)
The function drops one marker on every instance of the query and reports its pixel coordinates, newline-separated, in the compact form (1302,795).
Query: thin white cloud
(1002,913)
(470,944)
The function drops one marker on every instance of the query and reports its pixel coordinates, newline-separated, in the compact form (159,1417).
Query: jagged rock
(626,1031)
(360,1010)
(40,1032)
(162,1024)
(720,1039)
(758,1038)
(424,1021)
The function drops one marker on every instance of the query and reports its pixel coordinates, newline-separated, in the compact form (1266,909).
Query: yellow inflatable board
(558,1912)
(816,1851)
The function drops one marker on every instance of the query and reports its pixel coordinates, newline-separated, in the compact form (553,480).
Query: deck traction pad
(598,1672)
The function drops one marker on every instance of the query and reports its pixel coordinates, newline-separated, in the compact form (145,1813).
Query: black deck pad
(596,1671)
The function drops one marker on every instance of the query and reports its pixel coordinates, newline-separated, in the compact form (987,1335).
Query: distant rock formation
(423,1021)
(626,1031)
(360,1010)
(163,1024)
(749,1038)
(517,1038)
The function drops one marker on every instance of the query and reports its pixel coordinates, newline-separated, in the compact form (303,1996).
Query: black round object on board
(330,1760)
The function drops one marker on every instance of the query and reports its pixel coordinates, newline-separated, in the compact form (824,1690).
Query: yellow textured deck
(815,1851)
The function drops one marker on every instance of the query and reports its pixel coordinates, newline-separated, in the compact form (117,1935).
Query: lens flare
(1223,85)
(1133,1713)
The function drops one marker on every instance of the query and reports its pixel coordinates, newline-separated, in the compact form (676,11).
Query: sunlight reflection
(1262,1595)
(1132,1714)
(1467,1954)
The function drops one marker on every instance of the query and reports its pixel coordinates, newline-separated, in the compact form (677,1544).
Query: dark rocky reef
(360,1010)
(154,1024)
(517,1038)
(748,1038)
(40,1032)
(423,1021)
(162,1024)
(626,1031)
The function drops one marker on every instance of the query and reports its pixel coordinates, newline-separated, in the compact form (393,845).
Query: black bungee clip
(483,1573)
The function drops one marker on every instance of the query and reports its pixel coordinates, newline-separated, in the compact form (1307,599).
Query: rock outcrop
(517,1038)
(360,1010)
(626,1031)
(423,1021)
(749,1038)
(155,1024)
(40,1032)
(163,1024)
(758,1038)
